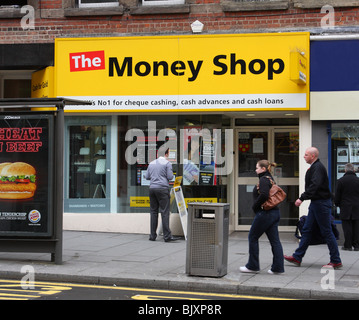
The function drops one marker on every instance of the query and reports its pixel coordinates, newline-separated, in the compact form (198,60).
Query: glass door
(87,165)
(252,147)
(276,145)
(286,174)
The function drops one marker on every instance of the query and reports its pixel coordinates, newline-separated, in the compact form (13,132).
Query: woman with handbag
(265,221)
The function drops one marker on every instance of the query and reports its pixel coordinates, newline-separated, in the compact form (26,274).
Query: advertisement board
(26,174)
(185,73)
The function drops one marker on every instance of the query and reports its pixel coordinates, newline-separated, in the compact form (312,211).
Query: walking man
(160,172)
(347,198)
(316,190)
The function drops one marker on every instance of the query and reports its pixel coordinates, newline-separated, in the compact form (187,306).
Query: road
(39,290)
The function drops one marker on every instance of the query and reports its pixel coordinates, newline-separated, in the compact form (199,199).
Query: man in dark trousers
(160,172)
(316,190)
(347,198)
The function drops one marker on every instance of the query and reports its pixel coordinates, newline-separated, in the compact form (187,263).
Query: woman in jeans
(264,222)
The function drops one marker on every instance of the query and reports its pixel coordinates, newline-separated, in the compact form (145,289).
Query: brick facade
(61,18)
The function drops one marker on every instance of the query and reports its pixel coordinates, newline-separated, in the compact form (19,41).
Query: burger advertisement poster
(26,158)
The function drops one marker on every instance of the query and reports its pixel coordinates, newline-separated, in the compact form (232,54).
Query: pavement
(132,260)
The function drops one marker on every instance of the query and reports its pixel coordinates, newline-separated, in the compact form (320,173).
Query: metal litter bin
(207,239)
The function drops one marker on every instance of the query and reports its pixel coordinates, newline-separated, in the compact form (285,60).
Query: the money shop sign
(184,73)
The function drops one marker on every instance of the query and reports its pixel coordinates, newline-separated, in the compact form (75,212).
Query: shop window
(78,8)
(87,165)
(345,149)
(161,2)
(192,159)
(17,88)
(97,3)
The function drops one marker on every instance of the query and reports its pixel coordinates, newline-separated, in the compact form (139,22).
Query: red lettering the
(84,61)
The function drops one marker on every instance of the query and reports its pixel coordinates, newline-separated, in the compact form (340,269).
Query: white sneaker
(246,270)
(271,272)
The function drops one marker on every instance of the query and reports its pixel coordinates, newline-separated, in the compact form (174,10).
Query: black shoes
(172,239)
(166,240)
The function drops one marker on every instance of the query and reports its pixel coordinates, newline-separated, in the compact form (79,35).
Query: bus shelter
(31,174)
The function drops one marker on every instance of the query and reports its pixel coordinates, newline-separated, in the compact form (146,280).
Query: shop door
(276,145)
(87,186)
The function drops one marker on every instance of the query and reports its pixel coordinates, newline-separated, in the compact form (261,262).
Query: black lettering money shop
(144,68)
(192,68)
(255,66)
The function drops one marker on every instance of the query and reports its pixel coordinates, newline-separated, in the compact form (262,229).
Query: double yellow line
(13,290)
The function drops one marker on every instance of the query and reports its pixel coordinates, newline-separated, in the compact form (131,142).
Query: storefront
(334,103)
(219,102)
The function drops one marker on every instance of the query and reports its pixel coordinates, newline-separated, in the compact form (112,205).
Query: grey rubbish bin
(207,239)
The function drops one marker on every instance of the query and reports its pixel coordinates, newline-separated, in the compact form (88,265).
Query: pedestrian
(160,172)
(264,222)
(316,190)
(347,199)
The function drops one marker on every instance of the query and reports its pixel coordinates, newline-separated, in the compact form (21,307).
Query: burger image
(17,180)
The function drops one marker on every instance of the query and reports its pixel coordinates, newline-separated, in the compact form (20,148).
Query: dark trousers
(265,222)
(351,233)
(320,211)
(160,202)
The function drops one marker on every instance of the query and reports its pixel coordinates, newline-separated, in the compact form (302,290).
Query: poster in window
(342,154)
(353,151)
(26,174)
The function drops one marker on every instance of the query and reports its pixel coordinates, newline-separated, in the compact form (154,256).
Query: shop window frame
(72,9)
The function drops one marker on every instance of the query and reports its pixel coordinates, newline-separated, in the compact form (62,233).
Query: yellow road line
(67,286)
(18,295)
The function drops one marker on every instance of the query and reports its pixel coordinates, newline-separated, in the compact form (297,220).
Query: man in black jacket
(316,190)
(347,198)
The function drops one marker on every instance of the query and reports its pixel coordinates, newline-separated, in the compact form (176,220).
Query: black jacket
(316,183)
(261,195)
(347,196)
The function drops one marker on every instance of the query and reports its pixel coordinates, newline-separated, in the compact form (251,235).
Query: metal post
(59,187)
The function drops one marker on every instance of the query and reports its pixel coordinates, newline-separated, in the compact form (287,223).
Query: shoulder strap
(271,180)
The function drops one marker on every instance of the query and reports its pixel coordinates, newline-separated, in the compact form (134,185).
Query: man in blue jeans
(316,190)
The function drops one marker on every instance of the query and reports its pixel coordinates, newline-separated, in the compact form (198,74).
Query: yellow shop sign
(185,73)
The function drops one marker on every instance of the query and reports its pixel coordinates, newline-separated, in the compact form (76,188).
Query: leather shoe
(172,239)
(333,265)
(293,260)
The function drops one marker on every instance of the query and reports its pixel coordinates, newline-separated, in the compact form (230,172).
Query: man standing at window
(316,190)
(347,198)
(159,172)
